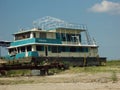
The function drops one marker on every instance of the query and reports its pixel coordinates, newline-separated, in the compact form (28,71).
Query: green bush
(114,77)
(18,72)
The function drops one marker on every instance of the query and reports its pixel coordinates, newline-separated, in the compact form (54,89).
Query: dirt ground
(63,86)
(80,81)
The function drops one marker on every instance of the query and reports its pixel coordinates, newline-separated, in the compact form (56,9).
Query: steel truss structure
(47,23)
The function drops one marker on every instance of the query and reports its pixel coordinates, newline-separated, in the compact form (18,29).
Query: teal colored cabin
(55,40)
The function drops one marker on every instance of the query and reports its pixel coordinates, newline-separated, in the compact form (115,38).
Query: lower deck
(53,51)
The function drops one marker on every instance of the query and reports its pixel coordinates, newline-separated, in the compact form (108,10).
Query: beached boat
(55,40)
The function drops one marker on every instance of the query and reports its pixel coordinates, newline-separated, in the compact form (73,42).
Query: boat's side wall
(74,61)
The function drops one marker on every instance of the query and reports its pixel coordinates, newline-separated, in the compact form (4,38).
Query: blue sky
(101,16)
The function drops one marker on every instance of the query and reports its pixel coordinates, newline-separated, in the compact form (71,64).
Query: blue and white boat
(53,38)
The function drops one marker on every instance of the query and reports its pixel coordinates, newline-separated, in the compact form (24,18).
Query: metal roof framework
(47,23)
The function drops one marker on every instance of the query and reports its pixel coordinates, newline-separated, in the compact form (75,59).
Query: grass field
(111,66)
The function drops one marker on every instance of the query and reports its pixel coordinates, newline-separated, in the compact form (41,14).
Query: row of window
(27,35)
(58,49)
(22,49)
(62,36)
(69,49)
(53,49)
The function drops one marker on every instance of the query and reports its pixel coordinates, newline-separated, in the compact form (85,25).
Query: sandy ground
(81,81)
(63,86)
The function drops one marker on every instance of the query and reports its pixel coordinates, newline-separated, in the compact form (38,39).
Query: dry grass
(100,74)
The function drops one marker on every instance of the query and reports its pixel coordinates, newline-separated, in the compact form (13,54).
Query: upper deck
(59,36)
(52,31)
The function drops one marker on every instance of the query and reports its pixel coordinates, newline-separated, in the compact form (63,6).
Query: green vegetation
(111,66)
(114,77)
(102,74)
(18,73)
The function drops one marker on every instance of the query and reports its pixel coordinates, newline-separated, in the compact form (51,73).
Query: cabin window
(42,35)
(29,48)
(22,36)
(75,38)
(80,49)
(22,49)
(68,37)
(49,48)
(73,49)
(12,51)
(28,35)
(57,35)
(63,49)
(34,35)
(18,50)
(59,49)
(39,48)
(83,49)
(63,37)
(56,49)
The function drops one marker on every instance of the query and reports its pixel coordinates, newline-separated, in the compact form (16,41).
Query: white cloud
(106,7)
